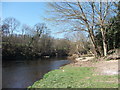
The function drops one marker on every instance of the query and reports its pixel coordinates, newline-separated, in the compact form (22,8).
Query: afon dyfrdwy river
(23,73)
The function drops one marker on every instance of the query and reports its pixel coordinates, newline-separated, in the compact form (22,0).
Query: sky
(29,13)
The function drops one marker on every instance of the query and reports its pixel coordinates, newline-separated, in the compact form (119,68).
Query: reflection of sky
(29,13)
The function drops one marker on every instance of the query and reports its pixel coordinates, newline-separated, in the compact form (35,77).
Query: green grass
(76,77)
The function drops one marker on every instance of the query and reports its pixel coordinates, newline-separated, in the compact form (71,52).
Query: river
(23,73)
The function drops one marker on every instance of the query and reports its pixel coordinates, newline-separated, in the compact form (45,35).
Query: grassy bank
(76,77)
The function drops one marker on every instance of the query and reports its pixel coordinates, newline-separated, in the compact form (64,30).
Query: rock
(46,56)
(84,58)
(78,59)
(113,56)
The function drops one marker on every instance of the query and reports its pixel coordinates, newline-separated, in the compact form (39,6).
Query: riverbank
(82,74)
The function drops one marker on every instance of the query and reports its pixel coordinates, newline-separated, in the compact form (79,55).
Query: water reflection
(21,74)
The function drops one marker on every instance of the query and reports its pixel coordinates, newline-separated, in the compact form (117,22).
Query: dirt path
(102,67)
(107,67)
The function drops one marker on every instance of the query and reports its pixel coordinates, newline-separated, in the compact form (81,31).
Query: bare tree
(104,13)
(12,23)
(26,29)
(85,15)
(5,29)
(79,43)
(39,28)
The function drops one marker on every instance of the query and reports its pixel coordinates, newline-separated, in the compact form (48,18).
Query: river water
(21,74)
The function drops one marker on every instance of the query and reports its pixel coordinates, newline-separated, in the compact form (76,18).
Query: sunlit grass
(76,77)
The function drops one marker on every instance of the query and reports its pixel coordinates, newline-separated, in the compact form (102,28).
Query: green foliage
(112,32)
(75,77)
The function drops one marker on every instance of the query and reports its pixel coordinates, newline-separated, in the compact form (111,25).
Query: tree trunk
(104,42)
(97,53)
(92,37)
